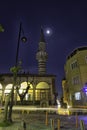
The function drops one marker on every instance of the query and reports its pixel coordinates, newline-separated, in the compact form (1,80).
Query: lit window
(78,96)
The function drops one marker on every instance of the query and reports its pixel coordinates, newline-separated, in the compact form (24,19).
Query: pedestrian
(23,125)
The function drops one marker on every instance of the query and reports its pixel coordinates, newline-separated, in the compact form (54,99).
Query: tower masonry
(42,55)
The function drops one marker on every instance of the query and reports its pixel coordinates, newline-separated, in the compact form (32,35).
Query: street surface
(42,120)
(37,121)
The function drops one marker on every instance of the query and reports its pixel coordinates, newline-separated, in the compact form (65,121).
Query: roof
(75,51)
(28,74)
(42,39)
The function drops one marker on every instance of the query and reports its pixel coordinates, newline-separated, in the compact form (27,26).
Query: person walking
(23,124)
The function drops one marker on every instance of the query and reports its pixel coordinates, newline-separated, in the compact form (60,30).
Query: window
(75,80)
(74,65)
(77,96)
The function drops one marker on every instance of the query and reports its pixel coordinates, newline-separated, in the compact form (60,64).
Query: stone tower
(42,55)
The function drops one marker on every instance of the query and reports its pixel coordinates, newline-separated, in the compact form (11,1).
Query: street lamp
(15,69)
(23,39)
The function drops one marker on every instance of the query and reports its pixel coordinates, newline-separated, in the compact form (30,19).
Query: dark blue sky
(67,19)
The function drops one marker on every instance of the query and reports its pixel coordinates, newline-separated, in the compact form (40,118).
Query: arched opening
(42,93)
(0,88)
(22,89)
(8,89)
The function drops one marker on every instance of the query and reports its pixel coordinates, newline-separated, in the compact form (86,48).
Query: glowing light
(48,31)
(58,103)
(0,86)
(20,91)
(68,106)
(84,89)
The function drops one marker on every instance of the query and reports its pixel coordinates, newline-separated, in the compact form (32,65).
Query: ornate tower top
(41,55)
(42,42)
(42,39)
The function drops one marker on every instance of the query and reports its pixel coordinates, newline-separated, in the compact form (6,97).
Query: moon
(48,31)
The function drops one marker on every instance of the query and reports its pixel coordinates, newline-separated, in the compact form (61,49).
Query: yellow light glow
(7,91)
(8,88)
(0,86)
(62,111)
(24,85)
(20,91)
(42,85)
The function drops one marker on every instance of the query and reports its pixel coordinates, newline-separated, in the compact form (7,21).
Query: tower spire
(42,39)
(41,55)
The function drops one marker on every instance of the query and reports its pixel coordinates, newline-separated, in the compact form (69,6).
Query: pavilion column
(51,94)
(15,97)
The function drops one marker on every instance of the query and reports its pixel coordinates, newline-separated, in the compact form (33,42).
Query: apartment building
(75,82)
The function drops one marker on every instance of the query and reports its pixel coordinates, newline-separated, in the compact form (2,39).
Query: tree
(15,69)
(22,95)
(9,100)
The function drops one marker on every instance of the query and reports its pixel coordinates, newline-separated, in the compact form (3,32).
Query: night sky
(66,19)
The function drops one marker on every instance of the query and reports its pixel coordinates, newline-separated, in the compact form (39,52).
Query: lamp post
(1,79)
(15,69)
(24,39)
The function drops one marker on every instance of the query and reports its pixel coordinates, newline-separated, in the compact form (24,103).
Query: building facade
(75,82)
(41,85)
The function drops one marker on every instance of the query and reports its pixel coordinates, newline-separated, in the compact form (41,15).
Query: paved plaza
(42,121)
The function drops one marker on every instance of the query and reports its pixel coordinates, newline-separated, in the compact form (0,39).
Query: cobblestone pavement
(41,121)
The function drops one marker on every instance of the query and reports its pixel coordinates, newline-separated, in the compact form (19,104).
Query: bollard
(52,123)
(46,122)
(58,124)
(76,120)
(82,125)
